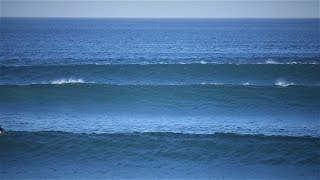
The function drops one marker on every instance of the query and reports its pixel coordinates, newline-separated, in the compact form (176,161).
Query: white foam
(271,61)
(67,81)
(283,83)
(203,62)
(246,84)
(217,84)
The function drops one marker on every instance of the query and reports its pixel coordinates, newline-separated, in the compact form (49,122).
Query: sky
(161,9)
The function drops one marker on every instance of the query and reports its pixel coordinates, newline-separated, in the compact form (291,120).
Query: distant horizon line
(98,17)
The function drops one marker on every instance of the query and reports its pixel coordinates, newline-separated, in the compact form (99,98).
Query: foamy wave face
(283,83)
(67,81)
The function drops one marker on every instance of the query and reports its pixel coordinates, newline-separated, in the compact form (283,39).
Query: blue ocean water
(160,98)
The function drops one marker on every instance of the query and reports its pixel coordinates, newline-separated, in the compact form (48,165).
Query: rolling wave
(62,81)
(184,97)
(164,74)
(202,148)
(201,62)
(83,107)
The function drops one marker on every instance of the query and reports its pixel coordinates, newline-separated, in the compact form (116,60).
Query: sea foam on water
(67,81)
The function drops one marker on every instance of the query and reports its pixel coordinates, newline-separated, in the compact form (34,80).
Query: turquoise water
(159,98)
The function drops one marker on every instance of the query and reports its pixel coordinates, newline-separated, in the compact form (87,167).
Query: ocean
(86,98)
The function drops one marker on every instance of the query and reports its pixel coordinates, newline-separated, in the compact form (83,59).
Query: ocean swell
(211,148)
(165,74)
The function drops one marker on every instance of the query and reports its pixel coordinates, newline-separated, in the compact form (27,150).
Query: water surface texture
(160,98)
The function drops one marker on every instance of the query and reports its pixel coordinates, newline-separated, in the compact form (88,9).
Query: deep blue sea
(160,98)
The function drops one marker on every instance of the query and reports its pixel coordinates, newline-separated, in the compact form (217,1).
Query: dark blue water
(155,41)
(160,98)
